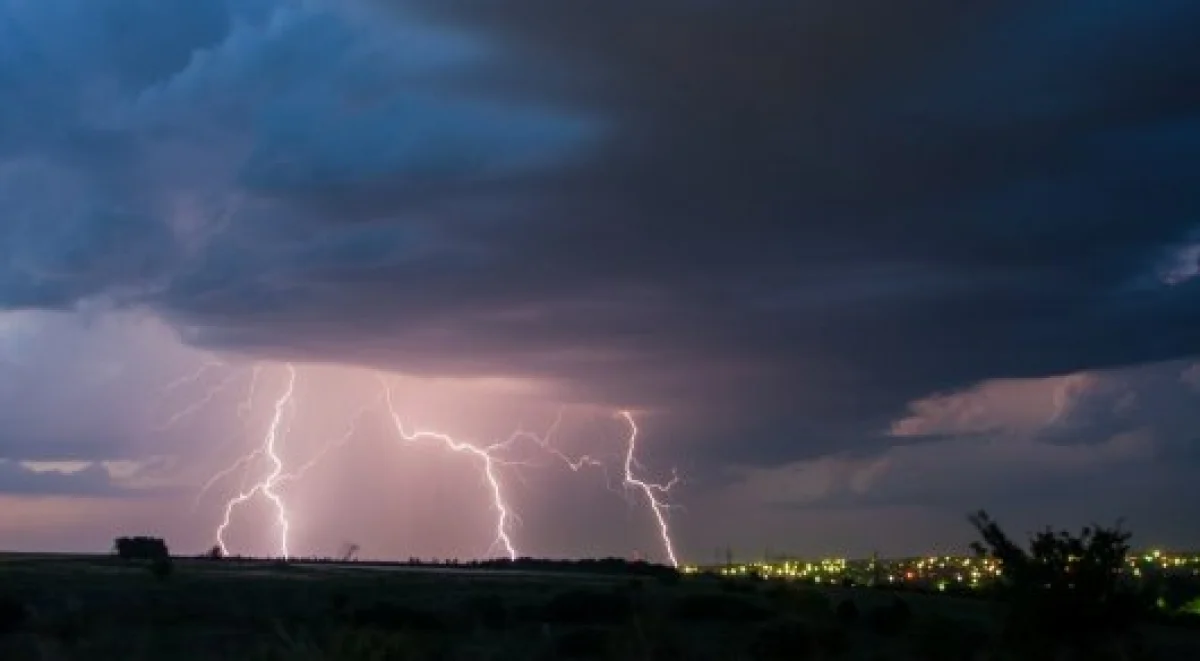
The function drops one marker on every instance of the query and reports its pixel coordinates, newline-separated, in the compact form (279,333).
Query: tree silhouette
(140,548)
(1064,587)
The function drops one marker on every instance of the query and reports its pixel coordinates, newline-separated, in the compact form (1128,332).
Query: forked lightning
(266,486)
(489,458)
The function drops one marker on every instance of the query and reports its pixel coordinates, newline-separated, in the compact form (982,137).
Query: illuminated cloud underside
(490,459)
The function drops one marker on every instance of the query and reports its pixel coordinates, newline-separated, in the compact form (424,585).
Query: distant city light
(937,572)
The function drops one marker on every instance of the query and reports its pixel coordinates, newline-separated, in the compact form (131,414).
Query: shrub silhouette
(587,606)
(140,548)
(1065,587)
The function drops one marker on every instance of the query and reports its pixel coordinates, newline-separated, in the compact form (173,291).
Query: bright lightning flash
(488,458)
(653,492)
(267,485)
(487,461)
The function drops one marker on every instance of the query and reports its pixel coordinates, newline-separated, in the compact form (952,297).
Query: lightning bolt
(575,464)
(242,461)
(203,401)
(652,491)
(195,376)
(335,444)
(266,486)
(244,409)
(490,459)
(247,405)
(487,460)
(543,442)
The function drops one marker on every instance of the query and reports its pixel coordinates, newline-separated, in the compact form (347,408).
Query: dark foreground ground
(100,608)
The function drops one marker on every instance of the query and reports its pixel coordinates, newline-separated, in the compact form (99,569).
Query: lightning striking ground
(486,459)
(267,485)
(490,459)
(652,491)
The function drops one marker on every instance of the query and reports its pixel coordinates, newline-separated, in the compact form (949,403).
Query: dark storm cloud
(1105,445)
(780,221)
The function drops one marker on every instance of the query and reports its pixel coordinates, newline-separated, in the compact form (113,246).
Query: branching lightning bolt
(193,377)
(335,444)
(247,404)
(576,464)
(202,401)
(490,458)
(243,461)
(543,441)
(267,485)
(244,409)
(486,459)
(652,491)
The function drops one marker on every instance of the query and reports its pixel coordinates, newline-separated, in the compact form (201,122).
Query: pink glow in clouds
(1012,404)
(341,475)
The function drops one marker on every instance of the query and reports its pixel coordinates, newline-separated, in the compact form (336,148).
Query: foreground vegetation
(108,609)
(1060,599)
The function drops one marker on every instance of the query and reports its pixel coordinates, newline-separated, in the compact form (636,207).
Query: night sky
(857,268)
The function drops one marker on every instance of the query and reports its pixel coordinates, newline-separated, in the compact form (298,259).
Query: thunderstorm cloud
(862,266)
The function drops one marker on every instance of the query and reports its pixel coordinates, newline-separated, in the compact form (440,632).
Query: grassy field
(77,607)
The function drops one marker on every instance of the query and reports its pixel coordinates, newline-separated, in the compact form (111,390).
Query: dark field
(75,607)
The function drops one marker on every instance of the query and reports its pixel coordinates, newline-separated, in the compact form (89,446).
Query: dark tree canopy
(1065,585)
(141,548)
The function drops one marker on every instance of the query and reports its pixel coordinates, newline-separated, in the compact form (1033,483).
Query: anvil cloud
(837,251)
